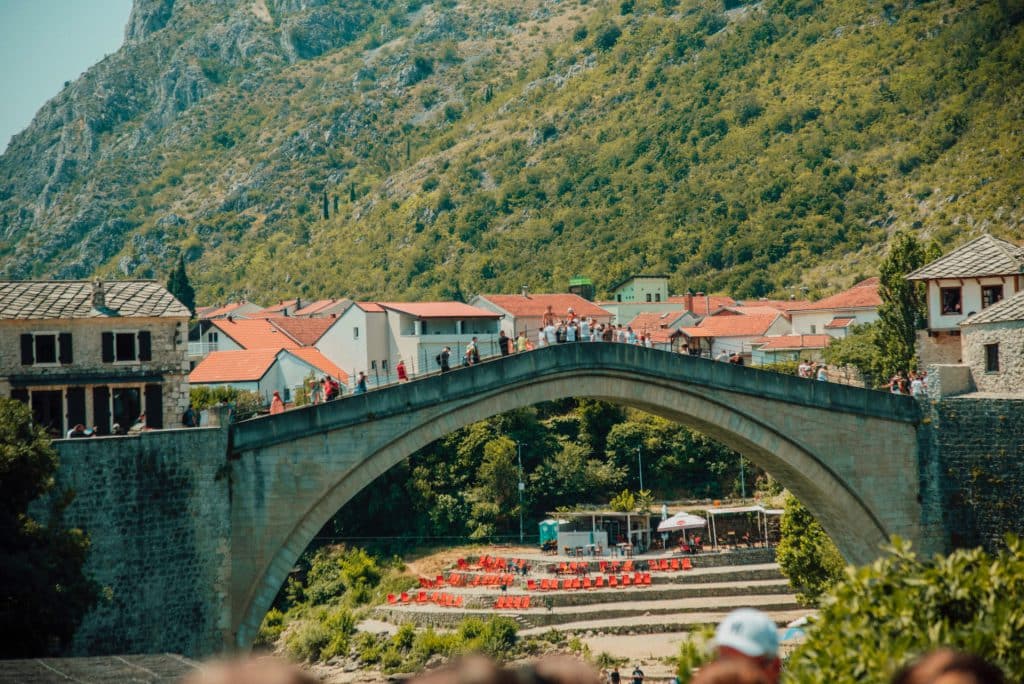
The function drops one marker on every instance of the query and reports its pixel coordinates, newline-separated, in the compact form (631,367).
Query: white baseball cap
(750,632)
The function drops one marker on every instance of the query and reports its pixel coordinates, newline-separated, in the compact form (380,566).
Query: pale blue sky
(46,42)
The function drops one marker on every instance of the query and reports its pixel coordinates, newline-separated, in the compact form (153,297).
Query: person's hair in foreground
(481,670)
(946,666)
(730,671)
(249,671)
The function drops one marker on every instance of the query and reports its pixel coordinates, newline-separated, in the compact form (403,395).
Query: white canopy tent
(762,519)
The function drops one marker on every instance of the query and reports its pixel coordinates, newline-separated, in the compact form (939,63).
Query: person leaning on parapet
(946,666)
(749,635)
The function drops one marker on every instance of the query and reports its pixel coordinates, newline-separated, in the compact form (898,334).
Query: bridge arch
(810,437)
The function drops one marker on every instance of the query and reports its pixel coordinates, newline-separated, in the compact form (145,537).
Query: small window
(213,337)
(384,364)
(648,296)
(991,358)
(618,298)
(657,296)
(355,333)
(814,330)
(124,346)
(951,301)
(373,365)
(46,348)
(991,294)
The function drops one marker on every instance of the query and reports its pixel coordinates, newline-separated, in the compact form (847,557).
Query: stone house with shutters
(95,353)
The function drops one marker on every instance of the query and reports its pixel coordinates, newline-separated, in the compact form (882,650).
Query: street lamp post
(743,480)
(522,487)
(640,466)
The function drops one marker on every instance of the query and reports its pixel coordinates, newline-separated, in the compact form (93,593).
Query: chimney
(99,297)
(688,301)
(526,291)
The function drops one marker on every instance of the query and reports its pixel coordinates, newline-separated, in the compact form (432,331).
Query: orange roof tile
(733,326)
(788,342)
(246,365)
(215,311)
(258,333)
(752,309)
(779,304)
(653,320)
(370,307)
(315,358)
(704,305)
(305,331)
(863,295)
(840,322)
(274,309)
(536,305)
(439,310)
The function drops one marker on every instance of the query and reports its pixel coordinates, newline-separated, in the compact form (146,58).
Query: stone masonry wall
(1010,338)
(941,349)
(978,447)
(156,508)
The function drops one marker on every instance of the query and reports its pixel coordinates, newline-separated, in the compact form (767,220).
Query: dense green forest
(440,149)
(574,452)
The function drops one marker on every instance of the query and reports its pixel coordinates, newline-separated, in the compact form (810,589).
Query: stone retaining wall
(156,508)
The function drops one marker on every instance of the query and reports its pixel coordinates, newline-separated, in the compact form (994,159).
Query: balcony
(200,349)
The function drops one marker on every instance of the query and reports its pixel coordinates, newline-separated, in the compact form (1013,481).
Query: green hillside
(478,146)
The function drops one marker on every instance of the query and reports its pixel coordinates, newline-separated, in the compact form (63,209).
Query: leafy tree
(572,476)
(179,286)
(860,349)
(880,616)
(43,592)
(806,555)
(624,502)
(903,304)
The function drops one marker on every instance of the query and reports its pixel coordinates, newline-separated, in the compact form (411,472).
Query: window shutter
(108,347)
(145,346)
(101,409)
(27,357)
(20,394)
(65,348)
(155,407)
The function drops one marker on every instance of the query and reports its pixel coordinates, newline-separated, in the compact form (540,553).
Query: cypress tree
(903,304)
(327,208)
(179,286)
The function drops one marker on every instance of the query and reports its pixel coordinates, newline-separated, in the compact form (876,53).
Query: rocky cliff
(447,147)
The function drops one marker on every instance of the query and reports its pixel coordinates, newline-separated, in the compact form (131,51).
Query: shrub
(270,629)
(607,38)
(880,616)
(307,640)
(806,555)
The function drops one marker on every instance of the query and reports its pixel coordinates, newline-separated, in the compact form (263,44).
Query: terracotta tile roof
(208,312)
(704,305)
(863,295)
(840,322)
(256,333)
(1010,309)
(318,306)
(52,299)
(754,325)
(793,342)
(305,331)
(247,365)
(779,304)
(652,321)
(753,309)
(439,310)
(274,309)
(536,305)
(370,307)
(324,365)
(982,256)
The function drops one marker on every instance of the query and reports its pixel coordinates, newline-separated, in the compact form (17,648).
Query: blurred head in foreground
(946,666)
(249,671)
(481,670)
(751,636)
(730,671)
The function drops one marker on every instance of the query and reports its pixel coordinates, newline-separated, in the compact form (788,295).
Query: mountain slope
(464,147)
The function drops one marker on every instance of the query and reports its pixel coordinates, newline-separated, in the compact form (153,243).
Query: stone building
(95,353)
(964,282)
(993,347)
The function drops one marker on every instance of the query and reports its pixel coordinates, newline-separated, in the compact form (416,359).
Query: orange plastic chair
(603,565)
(392,598)
(526,602)
(627,566)
(647,579)
(405,597)
(500,603)
(687,565)
(675,563)
(586,583)
(613,581)
(599,582)
(664,565)
(531,585)
(458,601)
(626,580)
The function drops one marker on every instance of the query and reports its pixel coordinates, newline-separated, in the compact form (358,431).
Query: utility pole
(743,481)
(640,465)
(522,487)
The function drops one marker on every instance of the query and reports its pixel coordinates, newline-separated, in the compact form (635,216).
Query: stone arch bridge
(850,455)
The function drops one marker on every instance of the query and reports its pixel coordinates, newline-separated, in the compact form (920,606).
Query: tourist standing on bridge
(444,358)
(521,342)
(276,405)
(361,383)
(316,391)
(504,344)
(400,369)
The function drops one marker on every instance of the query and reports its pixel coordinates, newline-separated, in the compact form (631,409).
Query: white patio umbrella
(682,521)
